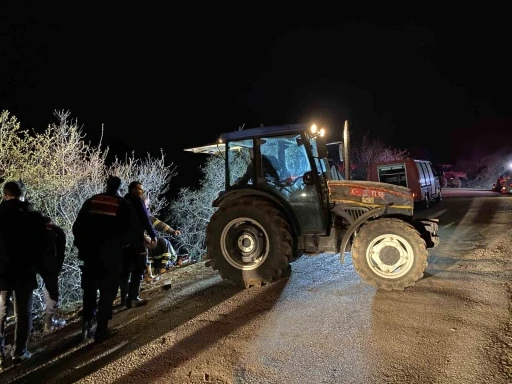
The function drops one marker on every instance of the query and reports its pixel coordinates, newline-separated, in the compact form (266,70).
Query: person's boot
(137,302)
(101,333)
(18,359)
(86,329)
(149,271)
(124,294)
(3,359)
(133,297)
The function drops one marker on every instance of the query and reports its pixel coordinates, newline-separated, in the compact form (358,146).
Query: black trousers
(104,281)
(135,260)
(23,312)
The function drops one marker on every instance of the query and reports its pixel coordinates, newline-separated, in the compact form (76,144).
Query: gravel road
(322,325)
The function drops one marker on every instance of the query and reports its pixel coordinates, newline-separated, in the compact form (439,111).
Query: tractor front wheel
(389,254)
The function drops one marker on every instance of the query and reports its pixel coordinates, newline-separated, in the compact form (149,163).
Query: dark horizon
(418,85)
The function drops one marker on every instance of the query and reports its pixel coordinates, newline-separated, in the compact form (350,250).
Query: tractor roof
(263,131)
(244,134)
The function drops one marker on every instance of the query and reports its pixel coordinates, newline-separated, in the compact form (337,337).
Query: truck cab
(417,175)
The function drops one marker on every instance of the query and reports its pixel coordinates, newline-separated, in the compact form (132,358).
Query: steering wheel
(286,184)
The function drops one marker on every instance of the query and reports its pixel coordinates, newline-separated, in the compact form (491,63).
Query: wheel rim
(244,243)
(390,256)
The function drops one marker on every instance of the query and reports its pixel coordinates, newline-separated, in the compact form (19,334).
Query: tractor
(283,200)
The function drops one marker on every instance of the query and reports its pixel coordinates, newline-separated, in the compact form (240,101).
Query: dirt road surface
(322,325)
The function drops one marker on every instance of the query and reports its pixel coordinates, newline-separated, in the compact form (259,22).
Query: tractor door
(295,178)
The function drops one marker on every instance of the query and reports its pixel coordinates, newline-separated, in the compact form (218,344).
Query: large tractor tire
(249,242)
(389,254)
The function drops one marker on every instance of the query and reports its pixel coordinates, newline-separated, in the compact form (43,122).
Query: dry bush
(490,167)
(192,209)
(373,150)
(60,171)
(153,173)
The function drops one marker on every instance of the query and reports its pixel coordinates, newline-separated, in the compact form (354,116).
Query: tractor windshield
(282,159)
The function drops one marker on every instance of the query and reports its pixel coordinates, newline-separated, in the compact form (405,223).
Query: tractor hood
(371,194)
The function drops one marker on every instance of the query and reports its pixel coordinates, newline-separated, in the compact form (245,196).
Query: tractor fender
(279,201)
(354,226)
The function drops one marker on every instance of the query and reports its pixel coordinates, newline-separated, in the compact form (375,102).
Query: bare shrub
(192,209)
(374,150)
(490,167)
(13,146)
(60,171)
(153,173)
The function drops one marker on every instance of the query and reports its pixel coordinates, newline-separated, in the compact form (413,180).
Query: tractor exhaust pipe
(346,157)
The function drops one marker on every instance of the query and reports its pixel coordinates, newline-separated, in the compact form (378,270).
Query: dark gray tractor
(283,200)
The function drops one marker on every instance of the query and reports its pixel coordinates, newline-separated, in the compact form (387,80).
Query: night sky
(176,79)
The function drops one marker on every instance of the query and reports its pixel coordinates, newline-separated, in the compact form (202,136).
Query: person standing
(135,257)
(105,225)
(17,218)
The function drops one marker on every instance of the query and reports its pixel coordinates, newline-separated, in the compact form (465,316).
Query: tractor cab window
(291,178)
(240,168)
(284,161)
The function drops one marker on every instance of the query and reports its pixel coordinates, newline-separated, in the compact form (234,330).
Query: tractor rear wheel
(249,242)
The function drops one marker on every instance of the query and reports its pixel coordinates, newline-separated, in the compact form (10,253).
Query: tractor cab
(282,163)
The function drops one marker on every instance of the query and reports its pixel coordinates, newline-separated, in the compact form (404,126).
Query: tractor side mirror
(321,147)
(335,152)
(340,151)
(322,150)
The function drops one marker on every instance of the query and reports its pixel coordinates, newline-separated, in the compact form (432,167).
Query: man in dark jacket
(135,258)
(16,218)
(104,226)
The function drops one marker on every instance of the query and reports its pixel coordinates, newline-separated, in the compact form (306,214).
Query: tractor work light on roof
(315,132)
